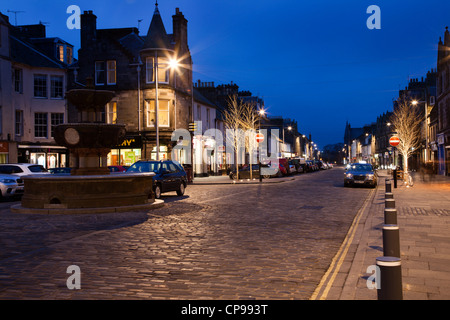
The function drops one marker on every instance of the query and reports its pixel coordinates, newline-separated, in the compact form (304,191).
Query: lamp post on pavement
(261,114)
(415,103)
(172,64)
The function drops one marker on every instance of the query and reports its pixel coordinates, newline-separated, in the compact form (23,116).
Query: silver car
(10,186)
(361,174)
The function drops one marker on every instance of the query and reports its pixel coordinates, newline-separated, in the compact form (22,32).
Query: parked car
(284,162)
(169,175)
(22,169)
(322,165)
(116,169)
(10,185)
(300,164)
(312,166)
(60,171)
(361,174)
(292,167)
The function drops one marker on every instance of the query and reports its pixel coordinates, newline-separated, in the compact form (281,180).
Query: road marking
(338,259)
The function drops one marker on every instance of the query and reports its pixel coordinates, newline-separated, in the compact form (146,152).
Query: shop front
(47,156)
(129,152)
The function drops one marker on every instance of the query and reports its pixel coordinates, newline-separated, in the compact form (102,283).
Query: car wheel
(233,176)
(158,192)
(181,189)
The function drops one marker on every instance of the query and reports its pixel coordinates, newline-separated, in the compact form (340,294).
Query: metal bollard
(391,240)
(395,178)
(388,185)
(390,216)
(389,203)
(389,195)
(390,277)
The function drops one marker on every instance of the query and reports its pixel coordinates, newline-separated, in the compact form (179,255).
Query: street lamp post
(261,114)
(172,65)
(415,102)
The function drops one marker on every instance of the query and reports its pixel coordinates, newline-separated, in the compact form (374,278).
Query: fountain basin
(87,194)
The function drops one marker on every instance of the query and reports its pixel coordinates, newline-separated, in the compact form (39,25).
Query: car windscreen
(361,167)
(145,167)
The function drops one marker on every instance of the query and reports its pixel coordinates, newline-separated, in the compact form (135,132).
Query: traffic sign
(259,137)
(394,141)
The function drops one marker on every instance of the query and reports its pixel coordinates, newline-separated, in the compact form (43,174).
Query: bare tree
(406,121)
(240,120)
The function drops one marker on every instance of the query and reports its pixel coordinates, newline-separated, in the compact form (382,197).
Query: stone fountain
(90,188)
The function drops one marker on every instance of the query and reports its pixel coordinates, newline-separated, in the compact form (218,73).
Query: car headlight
(370,176)
(349,176)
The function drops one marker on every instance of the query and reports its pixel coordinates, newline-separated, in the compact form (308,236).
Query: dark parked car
(244,172)
(169,175)
(60,171)
(361,174)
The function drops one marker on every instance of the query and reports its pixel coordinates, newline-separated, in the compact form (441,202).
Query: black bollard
(389,203)
(390,216)
(391,240)
(388,186)
(395,178)
(390,277)
(389,195)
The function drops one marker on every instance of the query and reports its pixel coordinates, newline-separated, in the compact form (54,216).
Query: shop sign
(440,139)
(132,143)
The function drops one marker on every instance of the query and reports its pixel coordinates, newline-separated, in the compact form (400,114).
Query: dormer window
(64,53)
(61,53)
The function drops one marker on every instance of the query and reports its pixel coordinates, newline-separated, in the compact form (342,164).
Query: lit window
(163,113)
(163,70)
(69,55)
(61,53)
(111,112)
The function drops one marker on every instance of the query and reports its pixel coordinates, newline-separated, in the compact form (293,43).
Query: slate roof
(23,52)
(157,36)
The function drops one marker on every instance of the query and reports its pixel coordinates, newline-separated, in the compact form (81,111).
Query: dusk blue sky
(312,61)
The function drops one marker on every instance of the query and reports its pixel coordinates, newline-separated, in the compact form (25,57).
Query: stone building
(443,103)
(154,95)
(33,81)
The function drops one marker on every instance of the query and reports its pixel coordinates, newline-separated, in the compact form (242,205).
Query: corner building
(123,61)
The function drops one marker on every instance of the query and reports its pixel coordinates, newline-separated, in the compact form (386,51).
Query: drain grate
(419,211)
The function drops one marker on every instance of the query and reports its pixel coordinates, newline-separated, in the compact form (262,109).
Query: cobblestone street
(271,241)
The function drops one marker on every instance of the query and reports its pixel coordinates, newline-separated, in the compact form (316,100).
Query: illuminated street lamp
(261,112)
